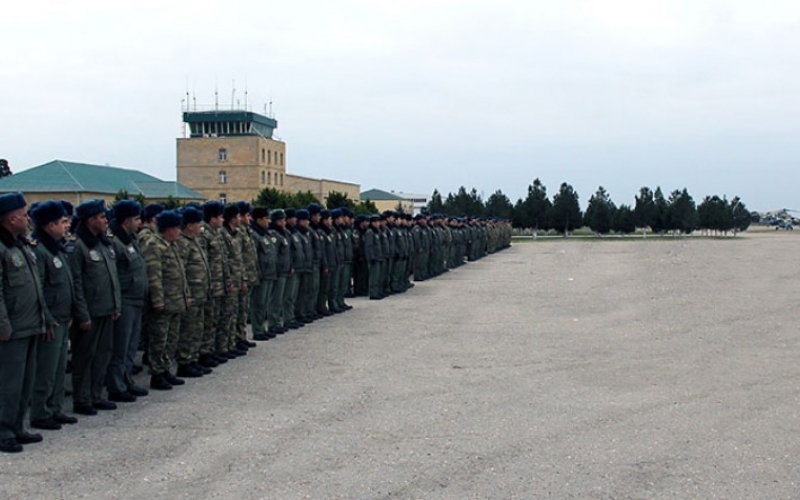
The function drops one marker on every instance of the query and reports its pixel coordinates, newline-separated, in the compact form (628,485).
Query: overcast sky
(416,95)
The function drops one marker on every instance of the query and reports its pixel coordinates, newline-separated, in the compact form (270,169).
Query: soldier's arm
(76,266)
(5,323)
(153,258)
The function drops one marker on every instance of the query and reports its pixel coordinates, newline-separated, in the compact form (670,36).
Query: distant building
(78,182)
(232,155)
(385,200)
(418,201)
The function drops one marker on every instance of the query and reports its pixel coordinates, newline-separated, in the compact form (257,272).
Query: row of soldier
(185,284)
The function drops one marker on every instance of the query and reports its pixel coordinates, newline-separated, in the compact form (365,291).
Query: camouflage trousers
(191,334)
(228,314)
(211,308)
(165,330)
(242,315)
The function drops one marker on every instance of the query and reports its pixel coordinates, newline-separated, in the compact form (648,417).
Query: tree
(659,220)
(566,212)
(272,198)
(365,207)
(537,207)
(741,216)
(714,214)
(600,212)
(335,199)
(498,205)
(623,220)
(123,194)
(435,205)
(172,203)
(682,212)
(644,209)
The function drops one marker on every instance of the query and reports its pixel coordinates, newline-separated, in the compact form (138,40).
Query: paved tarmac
(666,368)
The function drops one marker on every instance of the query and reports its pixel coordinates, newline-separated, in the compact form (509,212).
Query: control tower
(230,155)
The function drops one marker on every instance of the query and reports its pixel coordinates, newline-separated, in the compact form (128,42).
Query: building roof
(60,176)
(379,195)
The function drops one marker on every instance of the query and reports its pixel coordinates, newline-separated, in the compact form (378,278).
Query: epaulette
(33,242)
(110,234)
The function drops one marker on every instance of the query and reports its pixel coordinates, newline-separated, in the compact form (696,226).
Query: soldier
(303,307)
(198,280)
(169,298)
(97,291)
(324,275)
(267,258)
(214,343)
(298,264)
(132,272)
(279,236)
(51,224)
(250,267)
(22,322)
(327,297)
(360,264)
(146,233)
(232,218)
(316,260)
(346,273)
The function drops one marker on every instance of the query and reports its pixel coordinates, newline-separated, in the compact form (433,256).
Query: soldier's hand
(5,337)
(116,316)
(85,326)
(49,335)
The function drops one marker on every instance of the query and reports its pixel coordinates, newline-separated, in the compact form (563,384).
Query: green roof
(379,195)
(68,177)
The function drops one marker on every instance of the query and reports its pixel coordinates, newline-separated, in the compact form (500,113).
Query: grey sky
(417,95)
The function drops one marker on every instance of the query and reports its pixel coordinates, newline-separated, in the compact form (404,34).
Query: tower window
(263,155)
(269,157)
(269,177)
(281,159)
(222,154)
(223,177)
(263,177)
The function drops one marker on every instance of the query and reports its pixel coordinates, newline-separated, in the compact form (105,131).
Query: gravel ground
(665,368)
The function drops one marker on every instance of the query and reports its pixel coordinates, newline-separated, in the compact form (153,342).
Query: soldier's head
(261,217)
(278,218)
(244,212)
(192,221)
(13,215)
(149,214)
(336,217)
(325,218)
(92,215)
(231,216)
(361,221)
(375,221)
(313,210)
(303,217)
(291,217)
(168,224)
(51,218)
(128,214)
(212,213)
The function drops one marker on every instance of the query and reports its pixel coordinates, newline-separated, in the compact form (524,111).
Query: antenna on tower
(233,92)
(216,97)
(245,94)
(270,108)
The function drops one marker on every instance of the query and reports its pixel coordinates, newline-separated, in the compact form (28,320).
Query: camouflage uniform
(169,296)
(212,242)
(230,307)
(251,276)
(198,279)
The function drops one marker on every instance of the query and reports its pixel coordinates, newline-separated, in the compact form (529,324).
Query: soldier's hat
(302,214)
(68,207)
(314,208)
(336,213)
(191,215)
(152,210)
(230,212)
(290,213)
(46,212)
(125,209)
(211,209)
(277,214)
(10,202)
(90,208)
(168,219)
(244,207)
(260,212)
(359,219)
(419,216)
(375,218)
(325,214)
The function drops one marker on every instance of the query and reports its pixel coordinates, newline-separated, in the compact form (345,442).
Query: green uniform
(267,259)
(214,246)
(279,237)
(198,280)
(230,307)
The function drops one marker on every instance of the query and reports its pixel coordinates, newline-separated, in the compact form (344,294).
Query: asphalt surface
(666,368)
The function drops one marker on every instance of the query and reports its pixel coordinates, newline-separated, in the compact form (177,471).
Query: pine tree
(566,212)
(600,212)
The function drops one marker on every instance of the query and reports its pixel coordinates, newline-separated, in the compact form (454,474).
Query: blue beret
(360,218)
(290,213)
(260,212)
(152,210)
(325,214)
(336,213)
(126,209)
(90,208)
(47,212)
(302,214)
(375,218)
(168,219)
(10,202)
(212,209)
(277,214)
(314,208)
(191,215)
(244,207)
(347,212)
(195,204)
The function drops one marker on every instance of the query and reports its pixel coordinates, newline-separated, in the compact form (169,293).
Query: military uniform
(230,307)
(212,341)
(275,317)
(198,280)
(267,259)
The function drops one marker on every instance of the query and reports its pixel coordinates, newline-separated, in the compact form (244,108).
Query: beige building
(384,200)
(231,155)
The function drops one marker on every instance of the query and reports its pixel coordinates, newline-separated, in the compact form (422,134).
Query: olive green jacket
(167,276)
(22,304)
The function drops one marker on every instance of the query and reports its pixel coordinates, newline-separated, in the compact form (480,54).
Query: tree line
(676,213)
